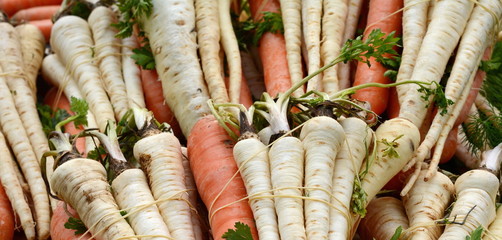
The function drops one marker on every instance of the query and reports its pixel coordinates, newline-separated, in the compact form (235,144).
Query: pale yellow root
(384,216)
(291,18)
(311,18)
(14,190)
(192,196)
(32,46)
(208,38)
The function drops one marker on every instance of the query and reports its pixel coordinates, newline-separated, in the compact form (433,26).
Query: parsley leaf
(80,108)
(270,22)
(376,45)
(476,234)
(144,57)
(241,232)
(75,224)
(439,98)
(390,150)
(131,11)
(50,118)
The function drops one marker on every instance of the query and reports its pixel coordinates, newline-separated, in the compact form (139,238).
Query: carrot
(107,52)
(253,76)
(32,48)
(6,216)
(155,102)
(443,33)
(45,26)
(209,34)
(214,171)
(335,12)
(322,138)
(12,6)
(25,113)
(425,203)
(34,13)
(272,48)
(389,212)
(381,16)
(245,94)
(12,185)
(58,220)
(71,41)
(170,31)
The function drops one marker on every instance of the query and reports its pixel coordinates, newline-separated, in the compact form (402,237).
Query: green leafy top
(493,81)
(390,150)
(131,11)
(250,32)
(241,232)
(50,118)
(476,234)
(439,98)
(144,57)
(75,224)
(376,45)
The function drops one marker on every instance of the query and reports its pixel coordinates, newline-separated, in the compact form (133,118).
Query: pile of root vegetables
(250,119)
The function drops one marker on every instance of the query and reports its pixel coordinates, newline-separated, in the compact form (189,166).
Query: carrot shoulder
(210,151)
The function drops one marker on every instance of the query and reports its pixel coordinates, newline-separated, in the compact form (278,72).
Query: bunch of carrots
(257,119)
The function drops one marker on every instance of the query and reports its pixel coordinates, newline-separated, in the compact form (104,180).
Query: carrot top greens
(242,232)
(131,11)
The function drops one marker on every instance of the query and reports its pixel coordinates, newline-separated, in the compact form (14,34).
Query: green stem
(353,89)
(221,121)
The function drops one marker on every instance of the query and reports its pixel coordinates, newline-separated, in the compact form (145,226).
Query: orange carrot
(63,103)
(12,6)
(154,100)
(379,16)
(6,216)
(393,104)
(45,26)
(245,98)
(34,13)
(210,151)
(59,218)
(272,48)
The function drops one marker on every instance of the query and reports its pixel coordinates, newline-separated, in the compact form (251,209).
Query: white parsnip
(446,26)
(208,38)
(347,164)
(83,184)
(353,12)
(311,18)
(426,203)
(286,166)
(335,12)
(172,39)
(160,158)
(12,186)
(21,124)
(292,21)
(252,159)
(72,41)
(414,28)
(322,138)
(132,74)
(389,213)
(192,196)
(32,46)
(107,52)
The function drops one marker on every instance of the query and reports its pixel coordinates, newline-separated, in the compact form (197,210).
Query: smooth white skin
(322,137)
(72,41)
(335,13)
(32,46)
(82,183)
(160,157)
(107,53)
(311,18)
(443,33)
(427,202)
(208,39)
(292,21)
(473,188)
(23,131)
(495,229)
(287,167)
(14,190)
(347,164)
(251,156)
(414,28)
(132,193)
(132,74)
